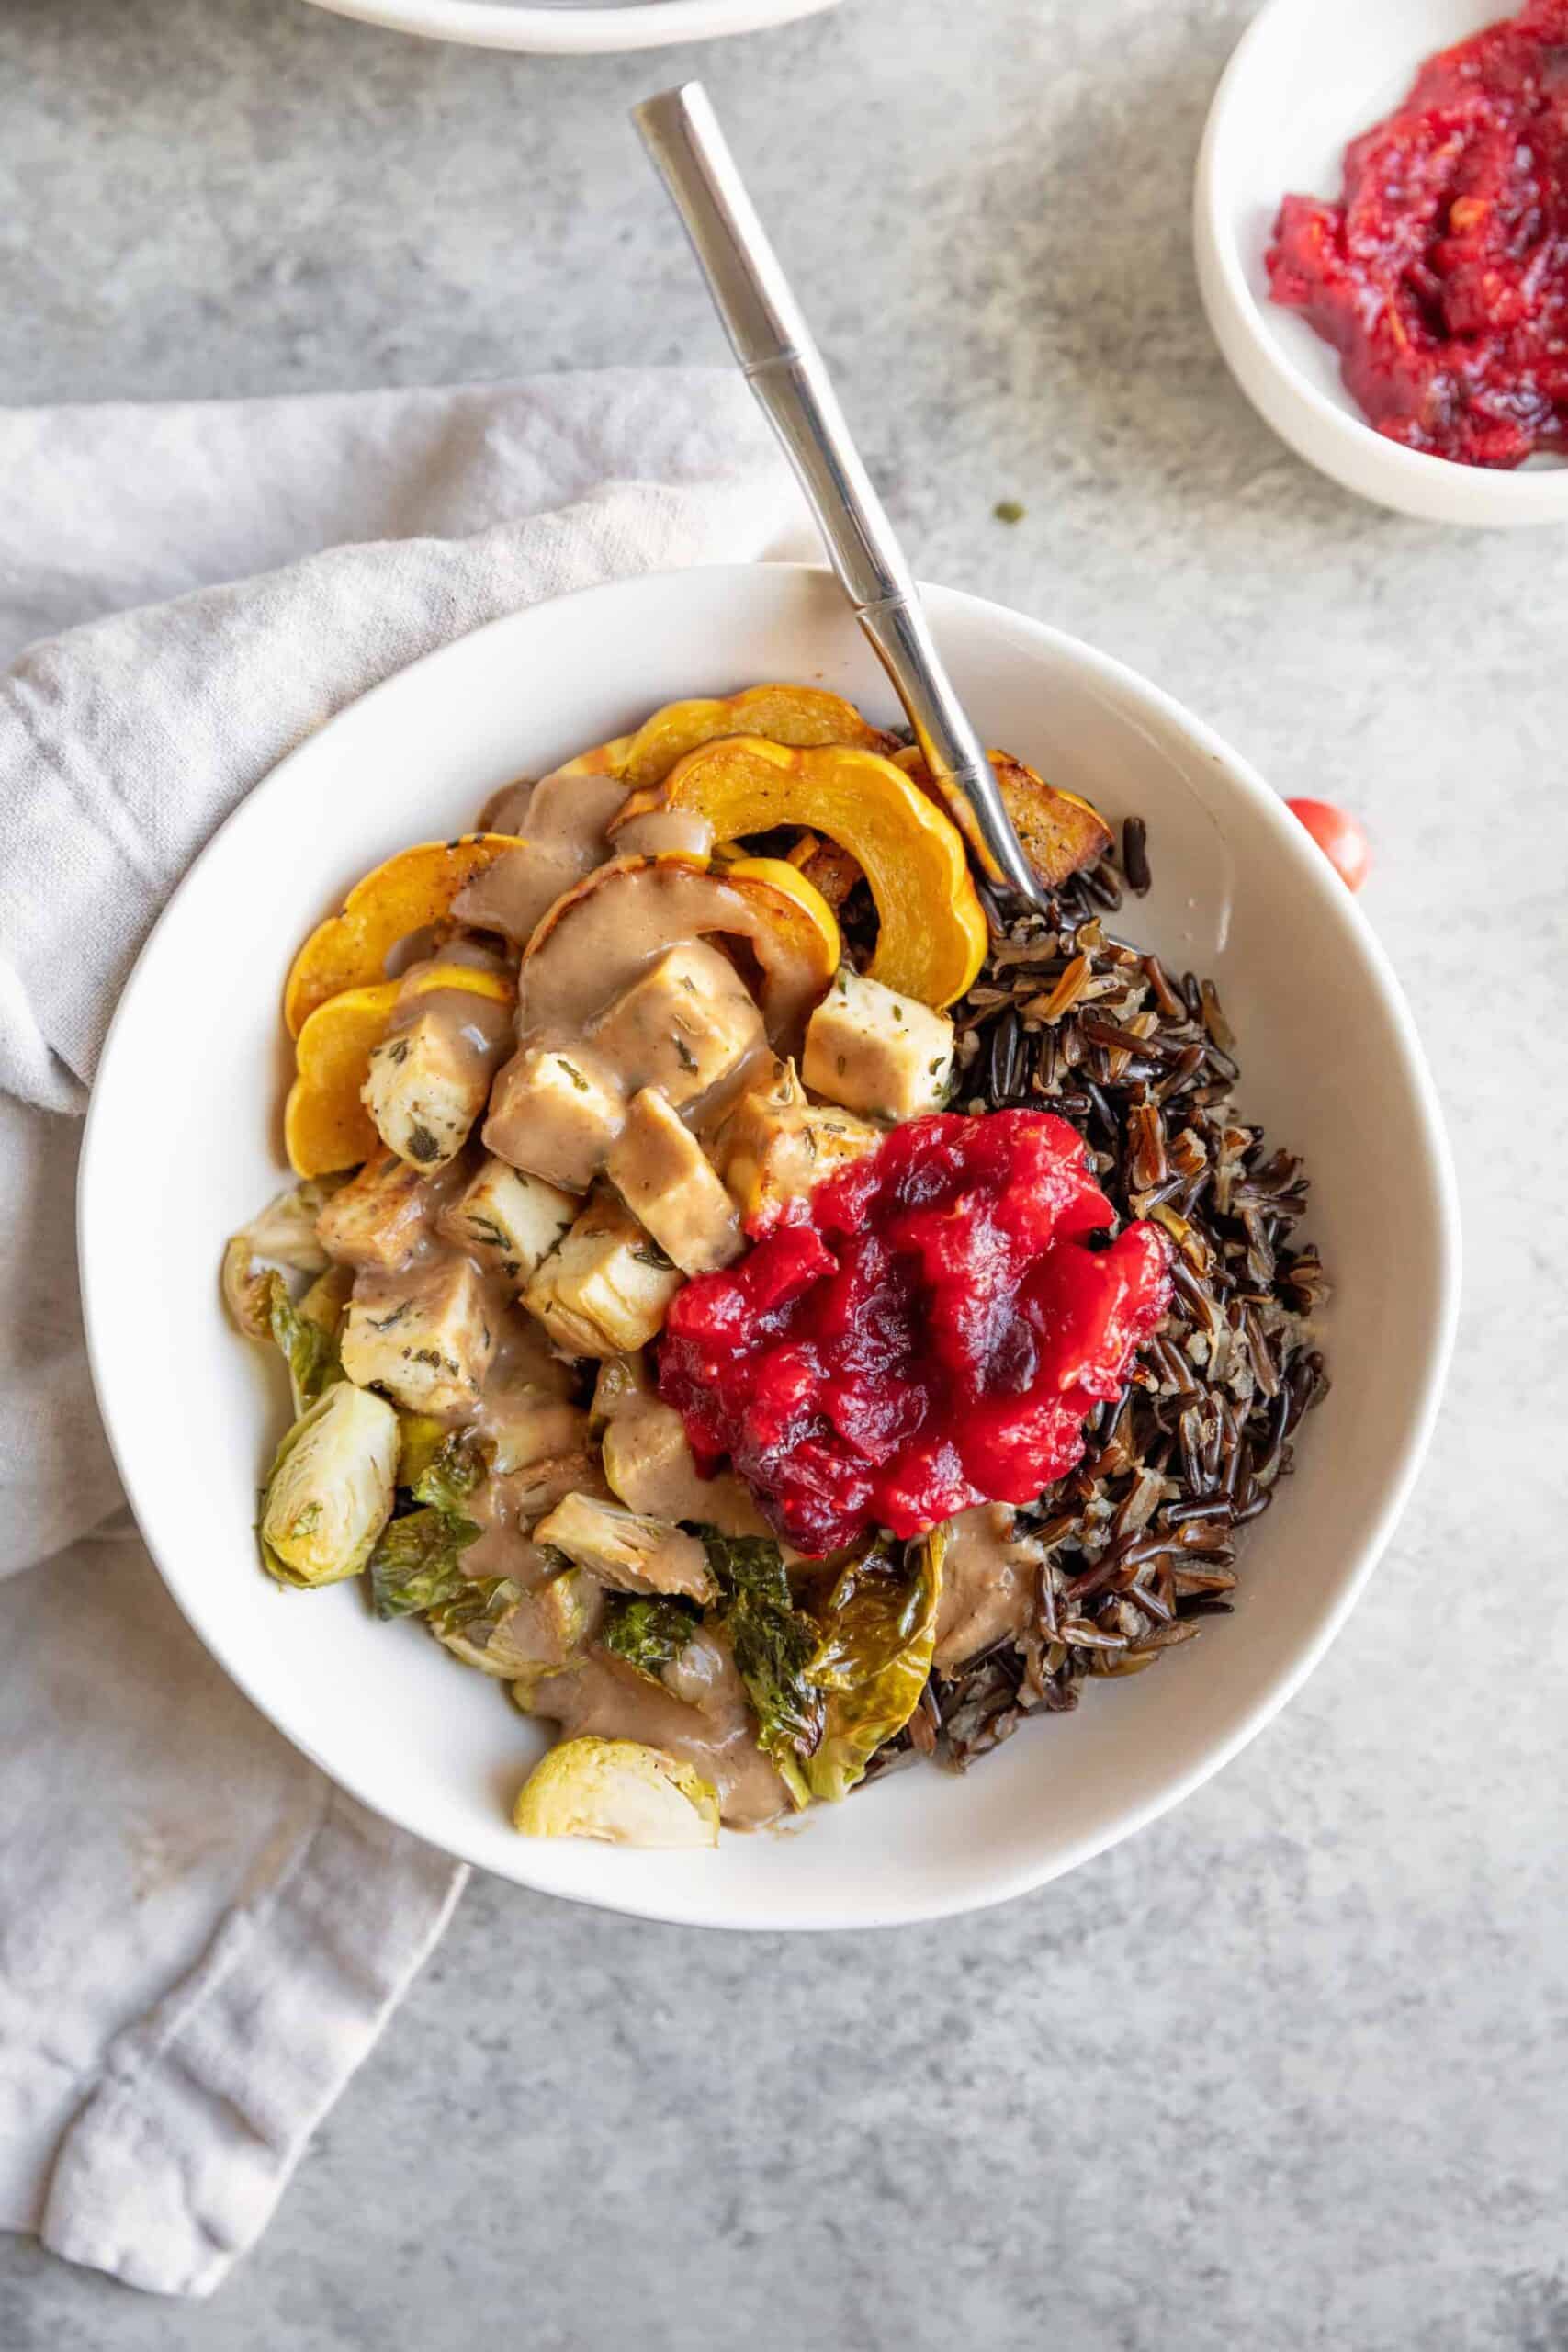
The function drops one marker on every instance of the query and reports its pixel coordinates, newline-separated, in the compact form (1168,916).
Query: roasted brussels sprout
(417,1562)
(330,1490)
(283,1235)
(520,1636)
(878,1632)
(618,1792)
(627,1551)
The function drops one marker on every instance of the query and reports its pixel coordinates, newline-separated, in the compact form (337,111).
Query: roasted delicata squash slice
(596,940)
(604,759)
(803,717)
(326,1126)
(932,935)
(409,893)
(1061,834)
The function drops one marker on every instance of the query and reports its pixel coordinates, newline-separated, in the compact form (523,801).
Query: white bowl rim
(1357,452)
(1426,1390)
(575,32)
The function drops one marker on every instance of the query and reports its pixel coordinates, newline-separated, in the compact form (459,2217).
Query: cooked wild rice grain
(1139,1540)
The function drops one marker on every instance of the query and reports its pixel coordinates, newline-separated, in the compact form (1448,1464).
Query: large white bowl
(567,30)
(1307,77)
(1331,1062)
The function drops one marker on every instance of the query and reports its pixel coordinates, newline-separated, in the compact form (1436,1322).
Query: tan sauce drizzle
(990,1579)
(709,1725)
(685,830)
(565,817)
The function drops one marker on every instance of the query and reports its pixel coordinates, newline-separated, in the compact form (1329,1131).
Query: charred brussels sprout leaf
(283,1235)
(878,1629)
(649,1635)
(438,1465)
(330,1490)
(417,1565)
(474,1611)
(307,1347)
(773,1644)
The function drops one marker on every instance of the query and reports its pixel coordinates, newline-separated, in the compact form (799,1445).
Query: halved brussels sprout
(626,1549)
(516,1635)
(283,1235)
(620,1793)
(329,1493)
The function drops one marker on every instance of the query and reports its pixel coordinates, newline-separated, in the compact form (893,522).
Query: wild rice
(1140,1540)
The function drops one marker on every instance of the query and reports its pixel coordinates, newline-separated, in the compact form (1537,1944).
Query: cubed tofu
(783,1157)
(687,1022)
(627,1551)
(606,1289)
(648,1465)
(427,1085)
(509,1221)
(422,1336)
(379,1217)
(751,1122)
(554,1116)
(668,1182)
(874,1050)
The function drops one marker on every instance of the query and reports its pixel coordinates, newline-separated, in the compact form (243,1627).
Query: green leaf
(475,1609)
(877,1633)
(649,1633)
(417,1563)
(309,1349)
(451,1474)
(772,1643)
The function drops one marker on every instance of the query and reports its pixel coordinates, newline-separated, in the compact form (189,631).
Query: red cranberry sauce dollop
(928,1332)
(1441,276)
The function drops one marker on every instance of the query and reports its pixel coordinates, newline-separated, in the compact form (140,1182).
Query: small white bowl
(1331,1064)
(568,31)
(1307,77)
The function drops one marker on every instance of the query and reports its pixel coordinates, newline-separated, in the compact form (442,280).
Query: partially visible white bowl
(1332,1065)
(1307,77)
(570,28)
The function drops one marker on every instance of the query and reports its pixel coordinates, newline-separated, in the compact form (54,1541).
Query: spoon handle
(784,369)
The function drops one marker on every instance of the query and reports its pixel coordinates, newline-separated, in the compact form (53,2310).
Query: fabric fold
(200,1937)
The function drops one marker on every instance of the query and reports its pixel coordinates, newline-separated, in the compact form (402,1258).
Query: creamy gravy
(990,1579)
(630,916)
(710,1725)
(684,831)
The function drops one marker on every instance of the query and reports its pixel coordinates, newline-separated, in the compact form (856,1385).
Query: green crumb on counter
(1007,510)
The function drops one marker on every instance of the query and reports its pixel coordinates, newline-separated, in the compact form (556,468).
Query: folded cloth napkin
(199,1937)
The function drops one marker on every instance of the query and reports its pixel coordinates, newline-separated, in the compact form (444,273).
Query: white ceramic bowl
(1307,77)
(1331,1061)
(575,31)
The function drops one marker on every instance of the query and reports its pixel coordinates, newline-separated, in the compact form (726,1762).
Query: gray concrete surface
(1289,2070)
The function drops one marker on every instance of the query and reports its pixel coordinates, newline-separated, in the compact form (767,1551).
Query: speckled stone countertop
(1292,2068)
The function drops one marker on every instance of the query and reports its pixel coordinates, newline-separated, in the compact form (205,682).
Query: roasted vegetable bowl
(397,1712)
(710,1335)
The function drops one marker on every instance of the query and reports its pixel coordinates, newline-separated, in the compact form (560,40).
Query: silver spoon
(784,369)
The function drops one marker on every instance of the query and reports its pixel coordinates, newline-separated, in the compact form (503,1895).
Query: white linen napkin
(199,1937)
